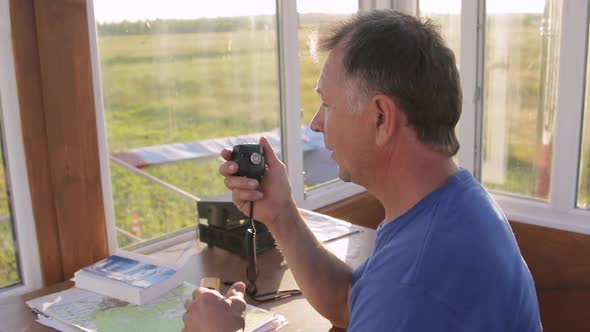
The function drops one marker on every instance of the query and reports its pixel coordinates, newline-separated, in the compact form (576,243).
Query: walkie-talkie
(250,160)
(251,164)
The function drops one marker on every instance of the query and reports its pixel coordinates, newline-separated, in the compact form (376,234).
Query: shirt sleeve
(401,308)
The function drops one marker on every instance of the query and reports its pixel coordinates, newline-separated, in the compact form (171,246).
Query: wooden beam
(54,73)
(28,73)
(70,116)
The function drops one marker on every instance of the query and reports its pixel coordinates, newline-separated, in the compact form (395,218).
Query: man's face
(345,129)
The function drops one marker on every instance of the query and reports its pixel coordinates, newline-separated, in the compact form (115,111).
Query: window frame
(332,191)
(21,206)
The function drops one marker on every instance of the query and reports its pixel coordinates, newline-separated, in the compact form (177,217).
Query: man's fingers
(239,195)
(240,182)
(235,294)
(228,168)
(269,154)
(205,292)
(237,305)
(226,154)
(237,289)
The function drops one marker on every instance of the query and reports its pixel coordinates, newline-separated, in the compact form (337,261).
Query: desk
(273,274)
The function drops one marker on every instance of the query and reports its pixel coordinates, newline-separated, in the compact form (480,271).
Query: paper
(326,228)
(56,325)
(76,309)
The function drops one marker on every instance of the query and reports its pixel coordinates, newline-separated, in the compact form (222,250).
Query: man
(445,258)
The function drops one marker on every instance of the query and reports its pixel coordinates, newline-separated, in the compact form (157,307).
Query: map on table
(77,309)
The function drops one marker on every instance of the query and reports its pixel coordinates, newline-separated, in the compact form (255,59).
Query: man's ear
(385,118)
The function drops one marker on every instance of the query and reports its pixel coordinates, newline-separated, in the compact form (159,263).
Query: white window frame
(330,192)
(103,150)
(18,182)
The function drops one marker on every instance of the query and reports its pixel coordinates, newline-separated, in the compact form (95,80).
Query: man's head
(389,59)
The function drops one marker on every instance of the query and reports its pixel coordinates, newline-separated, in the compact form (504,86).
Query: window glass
(180,80)
(315,18)
(447,15)
(583,200)
(521,63)
(9,264)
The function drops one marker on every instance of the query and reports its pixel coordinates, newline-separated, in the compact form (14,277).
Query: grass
(8,265)
(171,88)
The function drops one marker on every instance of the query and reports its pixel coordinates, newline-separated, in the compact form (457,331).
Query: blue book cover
(130,271)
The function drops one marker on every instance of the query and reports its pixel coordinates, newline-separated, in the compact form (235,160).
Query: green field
(8,265)
(170,87)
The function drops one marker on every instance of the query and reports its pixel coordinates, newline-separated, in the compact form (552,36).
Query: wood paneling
(363,209)
(556,258)
(26,55)
(560,264)
(60,126)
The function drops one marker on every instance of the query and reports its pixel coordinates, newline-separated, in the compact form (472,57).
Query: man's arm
(323,278)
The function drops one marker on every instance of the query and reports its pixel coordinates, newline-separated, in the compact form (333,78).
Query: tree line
(218,24)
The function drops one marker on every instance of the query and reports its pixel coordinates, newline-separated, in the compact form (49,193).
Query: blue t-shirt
(451,263)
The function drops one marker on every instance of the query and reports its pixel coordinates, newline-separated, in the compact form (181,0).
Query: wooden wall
(56,97)
(559,262)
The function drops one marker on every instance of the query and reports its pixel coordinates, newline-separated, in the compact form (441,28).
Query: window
(9,263)
(521,60)
(179,81)
(523,101)
(315,18)
(447,15)
(583,199)
(20,270)
(523,95)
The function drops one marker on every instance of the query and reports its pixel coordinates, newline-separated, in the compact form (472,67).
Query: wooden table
(214,262)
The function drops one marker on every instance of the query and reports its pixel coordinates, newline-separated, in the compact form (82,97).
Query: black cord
(277,295)
(250,243)
(252,270)
(251,217)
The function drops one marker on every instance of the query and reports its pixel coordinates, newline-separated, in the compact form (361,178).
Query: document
(80,310)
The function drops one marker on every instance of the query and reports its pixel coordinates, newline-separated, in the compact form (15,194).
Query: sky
(492,6)
(134,10)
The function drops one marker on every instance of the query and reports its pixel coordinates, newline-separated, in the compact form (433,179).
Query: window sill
(541,214)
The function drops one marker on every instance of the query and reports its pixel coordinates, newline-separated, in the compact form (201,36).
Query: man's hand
(272,195)
(211,312)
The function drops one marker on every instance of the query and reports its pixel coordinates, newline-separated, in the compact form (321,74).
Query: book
(75,310)
(137,279)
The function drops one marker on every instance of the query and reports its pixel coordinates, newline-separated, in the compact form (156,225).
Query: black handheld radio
(251,164)
(250,160)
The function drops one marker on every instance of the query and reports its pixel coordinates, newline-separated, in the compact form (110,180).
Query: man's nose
(317,123)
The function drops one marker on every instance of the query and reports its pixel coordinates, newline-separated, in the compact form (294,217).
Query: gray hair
(387,52)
